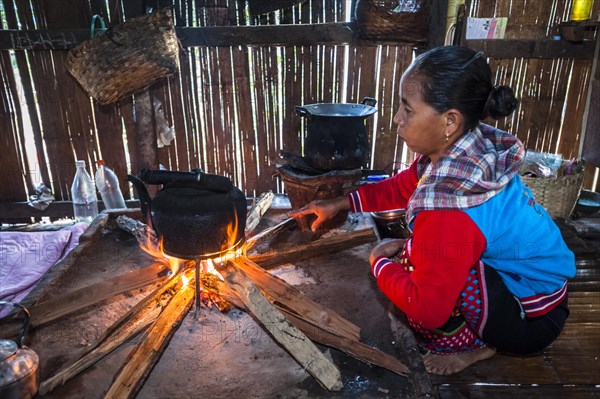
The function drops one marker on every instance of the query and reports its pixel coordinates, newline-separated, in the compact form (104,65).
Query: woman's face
(422,128)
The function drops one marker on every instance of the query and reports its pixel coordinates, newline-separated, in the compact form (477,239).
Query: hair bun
(502,102)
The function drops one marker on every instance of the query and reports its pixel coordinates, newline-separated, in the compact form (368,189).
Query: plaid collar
(473,170)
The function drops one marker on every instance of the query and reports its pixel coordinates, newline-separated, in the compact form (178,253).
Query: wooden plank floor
(569,368)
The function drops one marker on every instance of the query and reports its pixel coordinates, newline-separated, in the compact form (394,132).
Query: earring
(447,137)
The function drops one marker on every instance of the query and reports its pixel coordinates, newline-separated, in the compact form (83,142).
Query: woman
(485,268)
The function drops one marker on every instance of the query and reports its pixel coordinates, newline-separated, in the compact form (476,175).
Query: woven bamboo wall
(552,91)
(233,107)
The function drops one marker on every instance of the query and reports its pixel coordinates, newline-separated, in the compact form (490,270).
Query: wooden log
(321,247)
(348,345)
(72,302)
(166,288)
(258,210)
(137,367)
(61,268)
(141,231)
(121,336)
(125,328)
(410,354)
(269,233)
(291,298)
(292,339)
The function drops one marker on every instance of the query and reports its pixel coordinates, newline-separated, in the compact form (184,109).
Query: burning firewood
(289,297)
(295,342)
(148,351)
(124,329)
(336,340)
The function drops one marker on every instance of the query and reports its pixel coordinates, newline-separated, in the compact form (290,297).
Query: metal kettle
(196,214)
(19,365)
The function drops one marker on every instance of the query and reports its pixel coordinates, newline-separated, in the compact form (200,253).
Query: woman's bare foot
(451,364)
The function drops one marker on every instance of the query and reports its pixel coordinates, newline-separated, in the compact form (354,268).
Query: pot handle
(302,111)
(366,100)
(26,321)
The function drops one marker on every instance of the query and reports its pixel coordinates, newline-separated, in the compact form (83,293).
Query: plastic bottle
(83,193)
(108,186)
(580,10)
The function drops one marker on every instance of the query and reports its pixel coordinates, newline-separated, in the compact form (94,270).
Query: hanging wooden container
(127,57)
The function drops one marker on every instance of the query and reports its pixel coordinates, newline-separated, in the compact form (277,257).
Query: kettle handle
(26,321)
(366,100)
(302,111)
(145,200)
(203,180)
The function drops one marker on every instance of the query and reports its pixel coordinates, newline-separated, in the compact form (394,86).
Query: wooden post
(145,149)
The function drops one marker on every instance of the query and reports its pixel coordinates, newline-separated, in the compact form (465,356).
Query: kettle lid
(7,349)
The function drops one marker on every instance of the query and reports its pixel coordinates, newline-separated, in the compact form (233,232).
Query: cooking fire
(213,262)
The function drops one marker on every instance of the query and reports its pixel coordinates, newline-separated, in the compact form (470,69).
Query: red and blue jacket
(510,232)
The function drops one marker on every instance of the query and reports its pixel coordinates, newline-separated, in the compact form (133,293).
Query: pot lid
(340,109)
(7,349)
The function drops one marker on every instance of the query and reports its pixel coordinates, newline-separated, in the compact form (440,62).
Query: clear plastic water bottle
(108,186)
(83,193)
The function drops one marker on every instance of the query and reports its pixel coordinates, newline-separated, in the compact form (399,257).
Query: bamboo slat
(233,107)
(293,84)
(572,125)
(13,160)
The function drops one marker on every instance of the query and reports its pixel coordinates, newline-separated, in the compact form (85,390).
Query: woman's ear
(454,122)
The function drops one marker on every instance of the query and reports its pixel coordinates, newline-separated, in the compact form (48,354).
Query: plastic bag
(541,164)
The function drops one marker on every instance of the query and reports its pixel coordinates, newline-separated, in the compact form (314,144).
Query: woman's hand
(388,247)
(323,209)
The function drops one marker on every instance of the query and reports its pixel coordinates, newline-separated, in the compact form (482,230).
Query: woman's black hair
(460,78)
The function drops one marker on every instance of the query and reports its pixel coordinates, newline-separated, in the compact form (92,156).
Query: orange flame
(231,243)
(185,280)
(154,247)
(232,232)
(210,268)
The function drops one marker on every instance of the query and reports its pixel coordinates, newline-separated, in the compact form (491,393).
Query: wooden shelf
(338,33)
(523,48)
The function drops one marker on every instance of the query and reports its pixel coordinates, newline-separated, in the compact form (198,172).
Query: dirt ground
(226,355)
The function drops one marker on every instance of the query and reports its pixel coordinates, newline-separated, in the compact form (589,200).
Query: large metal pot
(337,134)
(197,215)
(19,365)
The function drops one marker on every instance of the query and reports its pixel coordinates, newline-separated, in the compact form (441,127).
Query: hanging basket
(557,194)
(127,57)
(376,20)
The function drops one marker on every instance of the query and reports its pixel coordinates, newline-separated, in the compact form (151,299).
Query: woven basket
(376,21)
(557,194)
(126,58)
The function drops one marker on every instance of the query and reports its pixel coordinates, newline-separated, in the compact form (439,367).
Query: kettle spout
(145,201)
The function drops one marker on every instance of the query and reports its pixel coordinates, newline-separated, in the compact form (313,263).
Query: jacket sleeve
(392,193)
(444,247)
